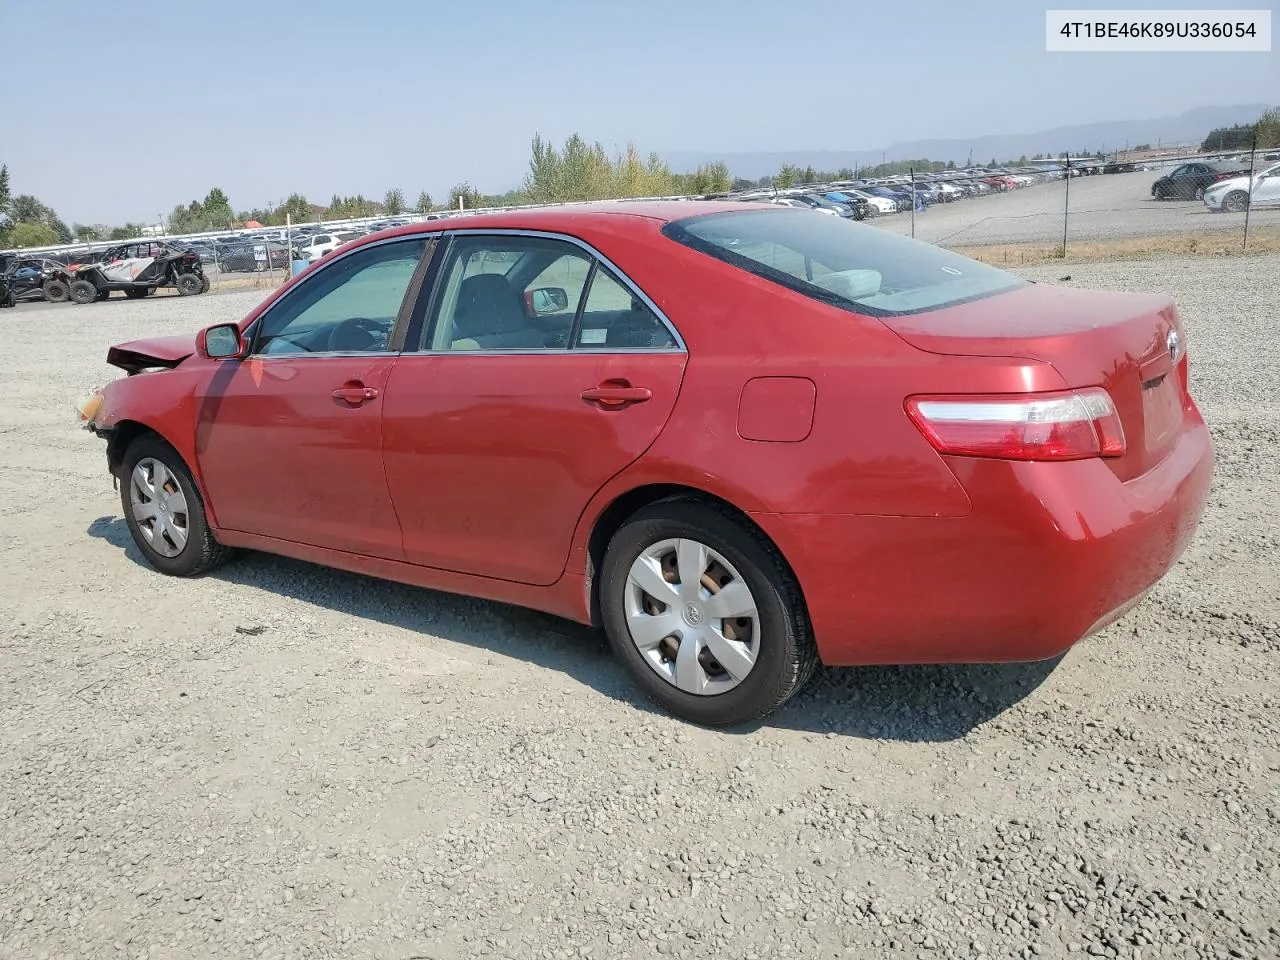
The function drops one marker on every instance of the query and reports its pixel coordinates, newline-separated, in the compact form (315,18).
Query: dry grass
(1221,243)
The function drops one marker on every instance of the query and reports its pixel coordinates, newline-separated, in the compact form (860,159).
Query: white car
(317,245)
(1233,196)
(882,204)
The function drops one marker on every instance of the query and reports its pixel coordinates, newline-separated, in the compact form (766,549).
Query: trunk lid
(1133,345)
(138,355)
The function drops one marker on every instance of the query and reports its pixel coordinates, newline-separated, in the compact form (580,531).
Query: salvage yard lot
(279,760)
(1102,207)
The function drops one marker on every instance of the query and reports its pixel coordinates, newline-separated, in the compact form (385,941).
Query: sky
(133,112)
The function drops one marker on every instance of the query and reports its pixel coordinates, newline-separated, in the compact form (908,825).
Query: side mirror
(220,342)
(547,300)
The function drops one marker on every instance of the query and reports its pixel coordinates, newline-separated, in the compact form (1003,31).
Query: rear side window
(859,268)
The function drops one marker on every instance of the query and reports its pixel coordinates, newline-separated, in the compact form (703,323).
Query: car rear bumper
(1050,553)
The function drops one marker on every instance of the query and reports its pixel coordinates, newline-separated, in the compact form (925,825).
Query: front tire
(704,614)
(164,512)
(56,291)
(82,291)
(188,285)
(1237,201)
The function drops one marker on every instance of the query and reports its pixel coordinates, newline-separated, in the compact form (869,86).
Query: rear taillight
(1072,425)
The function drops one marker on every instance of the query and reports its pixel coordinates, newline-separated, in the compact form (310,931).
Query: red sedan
(743,439)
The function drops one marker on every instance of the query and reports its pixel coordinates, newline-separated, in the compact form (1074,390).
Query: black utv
(33,278)
(138,268)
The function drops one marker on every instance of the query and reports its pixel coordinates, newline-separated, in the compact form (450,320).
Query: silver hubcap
(692,617)
(159,507)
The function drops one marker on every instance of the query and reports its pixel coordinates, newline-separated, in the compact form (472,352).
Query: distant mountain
(1190,127)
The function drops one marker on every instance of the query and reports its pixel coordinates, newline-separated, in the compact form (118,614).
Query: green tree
(1239,137)
(393,202)
(787,176)
(216,212)
(1267,129)
(466,193)
(4,192)
(25,208)
(24,233)
(297,207)
(126,232)
(425,203)
(86,233)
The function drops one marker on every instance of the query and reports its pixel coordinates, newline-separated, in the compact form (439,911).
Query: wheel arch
(126,430)
(625,505)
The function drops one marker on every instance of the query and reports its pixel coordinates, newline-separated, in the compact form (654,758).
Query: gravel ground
(284,761)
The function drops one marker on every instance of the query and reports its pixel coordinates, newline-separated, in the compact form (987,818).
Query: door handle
(355,394)
(615,395)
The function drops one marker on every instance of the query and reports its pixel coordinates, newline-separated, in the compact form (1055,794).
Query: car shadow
(921,704)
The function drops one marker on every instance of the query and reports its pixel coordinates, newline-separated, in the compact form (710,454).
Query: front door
(289,439)
(516,406)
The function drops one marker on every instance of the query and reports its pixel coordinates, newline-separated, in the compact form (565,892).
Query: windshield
(859,268)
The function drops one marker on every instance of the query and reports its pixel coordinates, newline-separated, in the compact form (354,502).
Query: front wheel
(704,614)
(82,291)
(164,512)
(56,291)
(204,284)
(188,284)
(1236,201)
(1199,193)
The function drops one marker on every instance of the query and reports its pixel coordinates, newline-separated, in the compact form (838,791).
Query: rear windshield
(863,269)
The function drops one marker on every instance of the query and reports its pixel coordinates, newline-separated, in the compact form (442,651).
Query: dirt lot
(283,761)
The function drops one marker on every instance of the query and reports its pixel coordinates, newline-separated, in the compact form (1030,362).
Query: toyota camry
(743,439)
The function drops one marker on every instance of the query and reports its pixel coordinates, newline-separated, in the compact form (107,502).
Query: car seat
(489,314)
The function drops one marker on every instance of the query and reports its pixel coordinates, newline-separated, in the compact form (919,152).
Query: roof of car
(567,215)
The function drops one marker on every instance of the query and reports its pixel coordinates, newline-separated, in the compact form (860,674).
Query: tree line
(1264,134)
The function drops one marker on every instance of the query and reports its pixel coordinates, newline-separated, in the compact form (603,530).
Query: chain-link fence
(1078,207)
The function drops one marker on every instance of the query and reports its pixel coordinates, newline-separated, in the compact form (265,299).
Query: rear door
(536,374)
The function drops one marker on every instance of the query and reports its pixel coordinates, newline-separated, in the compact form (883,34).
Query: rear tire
(82,291)
(166,519)
(188,285)
(780,655)
(56,291)
(204,284)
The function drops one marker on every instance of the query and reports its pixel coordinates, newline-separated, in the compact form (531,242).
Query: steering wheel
(358,333)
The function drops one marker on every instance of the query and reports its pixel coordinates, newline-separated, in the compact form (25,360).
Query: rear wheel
(82,291)
(164,512)
(704,614)
(1236,201)
(56,291)
(204,284)
(188,284)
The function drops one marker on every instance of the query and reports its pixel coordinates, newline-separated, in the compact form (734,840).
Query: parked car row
(1189,181)
(873,197)
(276,248)
(1237,194)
